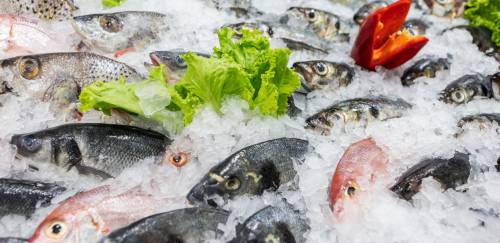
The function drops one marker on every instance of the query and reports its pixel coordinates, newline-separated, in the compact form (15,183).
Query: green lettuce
(112,3)
(485,13)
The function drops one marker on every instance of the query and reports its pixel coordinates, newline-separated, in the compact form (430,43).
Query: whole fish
(481,37)
(367,9)
(121,31)
(324,24)
(323,74)
(376,108)
(12,240)
(484,120)
(60,76)
(466,88)
(252,170)
(90,215)
(416,26)
(24,197)
(446,8)
(280,223)
(44,9)
(361,163)
(104,150)
(183,225)
(450,173)
(176,66)
(425,67)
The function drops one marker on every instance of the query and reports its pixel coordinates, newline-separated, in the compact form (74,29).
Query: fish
(446,8)
(23,197)
(88,216)
(60,77)
(250,171)
(24,35)
(361,165)
(425,67)
(320,74)
(181,225)
(43,9)
(416,26)
(450,173)
(13,240)
(481,37)
(280,223)
(294,39)
(466,88)
(103,150)
(325,25)
(175,64)
(240,8)
(353,110)
(120,32)
(367,9)
(484,121)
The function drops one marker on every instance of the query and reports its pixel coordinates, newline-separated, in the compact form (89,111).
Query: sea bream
(44,9)
(280,223)
(193,225)
(319,74)
(24,197)
(353,110)
(104,150)
(252,170)
(450,173)
(121,31)
(90,215)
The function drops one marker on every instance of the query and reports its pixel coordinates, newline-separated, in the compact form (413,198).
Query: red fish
(361,162)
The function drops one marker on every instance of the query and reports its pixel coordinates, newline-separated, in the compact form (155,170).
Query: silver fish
(192,225)
(319,74)
(44,9)
(176,66)
(104,150)
(377,108)
(446,8)
(324,24)
(425,67)
(113,32)
(483,120)
(277,224)
(367,9)
(252,170)
(466,88)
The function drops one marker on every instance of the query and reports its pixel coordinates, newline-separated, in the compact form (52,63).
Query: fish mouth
(198,197)
(303,70)
(155,59)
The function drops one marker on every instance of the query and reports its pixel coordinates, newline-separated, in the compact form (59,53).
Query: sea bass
(24,197)
(90,215)
(277,224)
(252,170)
(450,173)
(362,162)
(104,150)
(44,9)
(120,31)
(193,225)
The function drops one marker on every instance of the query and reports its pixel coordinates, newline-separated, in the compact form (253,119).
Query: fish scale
(44,9)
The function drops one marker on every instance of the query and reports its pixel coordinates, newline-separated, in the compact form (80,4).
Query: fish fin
(120,53)
(62,92)
(86,170)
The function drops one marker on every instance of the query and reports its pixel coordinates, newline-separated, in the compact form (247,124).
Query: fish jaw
(362,161)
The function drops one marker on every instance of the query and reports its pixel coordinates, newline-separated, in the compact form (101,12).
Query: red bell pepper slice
(380,41)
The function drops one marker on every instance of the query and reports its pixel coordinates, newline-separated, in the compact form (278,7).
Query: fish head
(56,229)
(264,28)
(321,74)
(359,166)
(464,90)
(311,16)
(172,60)
(446,8)
(36,146)
(26,73)
(367,9)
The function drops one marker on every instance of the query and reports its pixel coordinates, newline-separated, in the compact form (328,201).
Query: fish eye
(31,144)
(178,159)
(428,72)
(232,184)
(350,190)
(180,62)
(458,96)
(110,23)
(311,15)
(270,31)
(320,68)
(29,68)
(57,230)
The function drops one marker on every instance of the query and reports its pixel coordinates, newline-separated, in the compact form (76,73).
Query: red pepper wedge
(380,41)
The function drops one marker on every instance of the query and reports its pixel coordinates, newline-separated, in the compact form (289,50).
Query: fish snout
(305,72)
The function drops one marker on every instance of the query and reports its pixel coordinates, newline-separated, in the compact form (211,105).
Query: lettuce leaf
(112,3)
(485,13)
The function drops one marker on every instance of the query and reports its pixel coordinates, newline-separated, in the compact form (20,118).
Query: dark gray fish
(12,240)
(323,74)
(367,9)
(425,67)
(450,173)
(44,9)
(416,26)
(353,110)
(481,37)
(113,32)
(24,197)
(324,24)
(276,224)
(176,66)
(104,150)
(446,8)
(252,170)
(466,88)
(191,225)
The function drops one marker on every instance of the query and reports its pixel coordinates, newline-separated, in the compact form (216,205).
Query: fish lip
(302,70)
(155,60)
